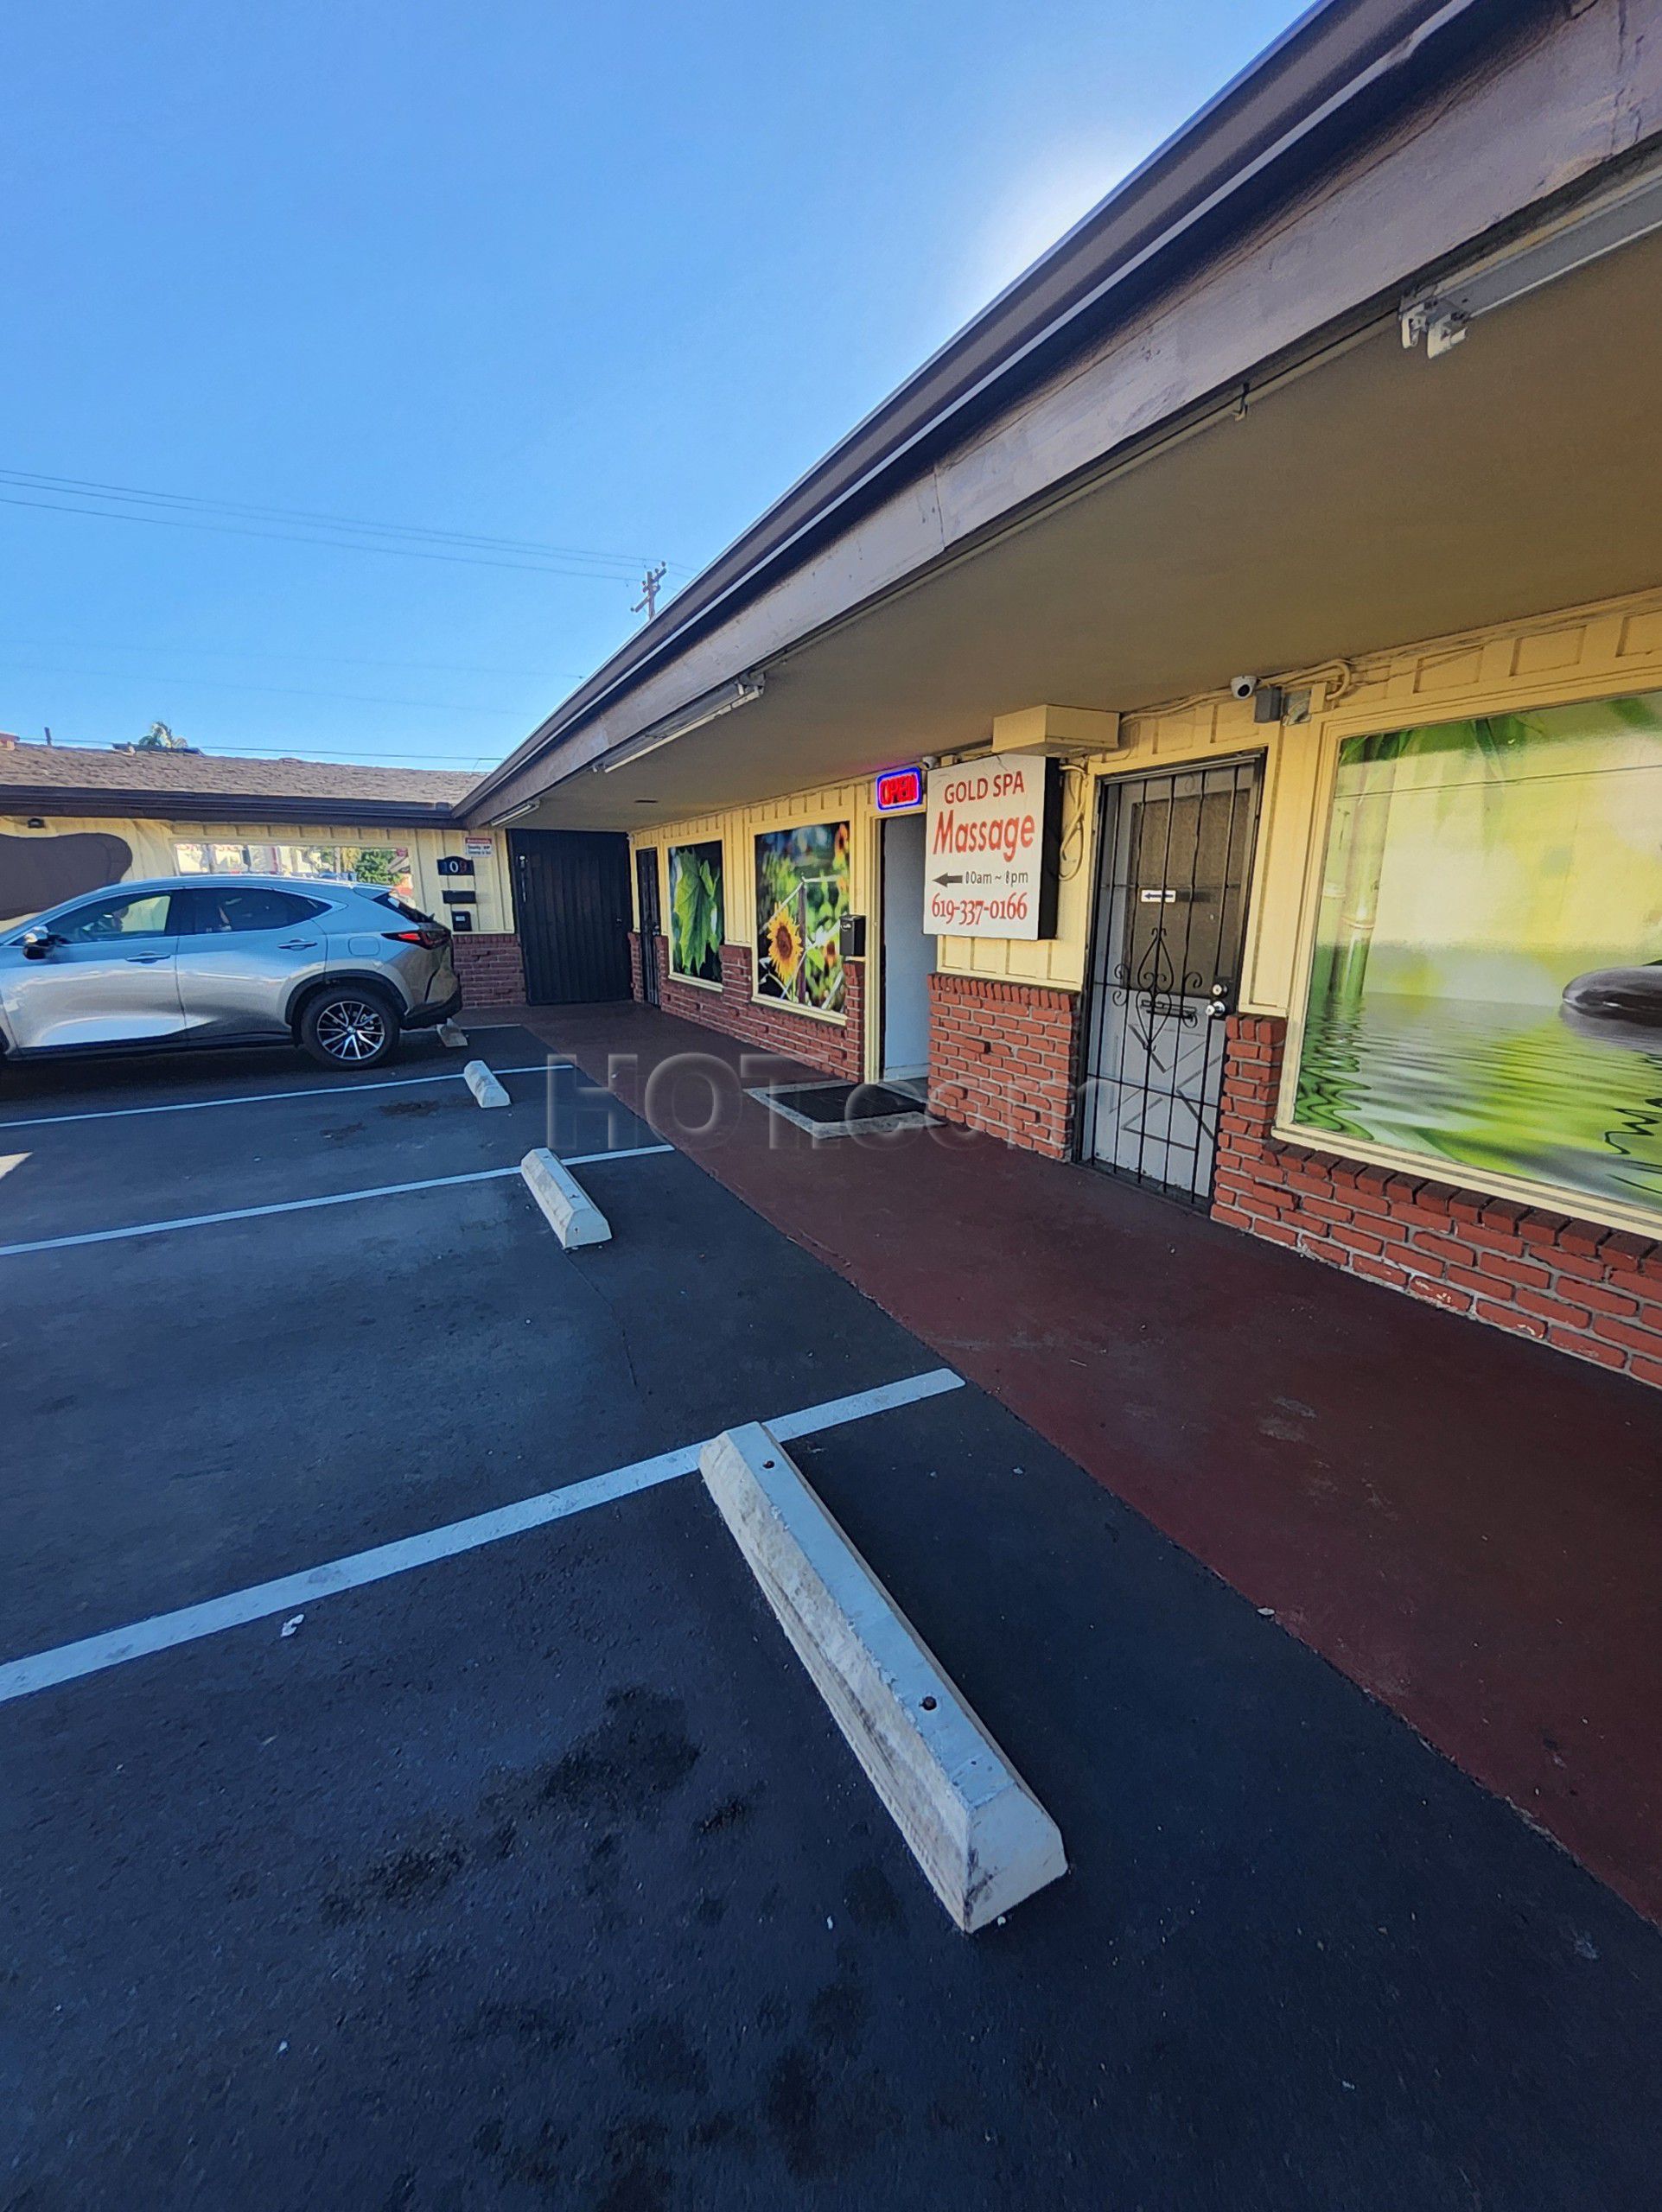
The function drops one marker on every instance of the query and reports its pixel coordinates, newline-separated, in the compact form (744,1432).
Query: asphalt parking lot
(530,1870)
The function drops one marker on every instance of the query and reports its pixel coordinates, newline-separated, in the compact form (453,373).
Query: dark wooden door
(571,894)
(645,864)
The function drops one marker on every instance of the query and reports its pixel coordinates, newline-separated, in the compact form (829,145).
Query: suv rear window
(229,906)
(403,906)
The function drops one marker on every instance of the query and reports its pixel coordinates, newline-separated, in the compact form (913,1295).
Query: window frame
(1379,718)
(54,924)
(188,899)
(200,866)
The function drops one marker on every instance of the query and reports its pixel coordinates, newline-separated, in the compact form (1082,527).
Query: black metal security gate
(645,877)
(1177,857)
(571,896)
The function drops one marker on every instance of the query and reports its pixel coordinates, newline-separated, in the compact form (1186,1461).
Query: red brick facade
(1002,1057)
(836,1048)
(1596,1292)
(491,970)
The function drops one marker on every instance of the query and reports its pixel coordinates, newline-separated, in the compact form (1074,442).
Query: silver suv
(341,969)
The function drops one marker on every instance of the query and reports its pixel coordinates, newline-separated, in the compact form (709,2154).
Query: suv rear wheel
(349,1026)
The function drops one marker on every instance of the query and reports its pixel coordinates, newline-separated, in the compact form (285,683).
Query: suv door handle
(296,944)
(144,959)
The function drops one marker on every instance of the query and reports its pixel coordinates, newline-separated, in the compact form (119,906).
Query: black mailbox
(851,937)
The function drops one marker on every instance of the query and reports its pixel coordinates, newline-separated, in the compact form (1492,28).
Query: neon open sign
(898,787)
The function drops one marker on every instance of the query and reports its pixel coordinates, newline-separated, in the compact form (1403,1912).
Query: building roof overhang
(1339,74)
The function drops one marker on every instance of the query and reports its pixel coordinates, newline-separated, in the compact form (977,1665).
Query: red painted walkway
(1468,1525)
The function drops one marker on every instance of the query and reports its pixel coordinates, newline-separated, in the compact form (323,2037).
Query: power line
(325,660)
(295,538)
(80,487)
(346,754)
(155,683)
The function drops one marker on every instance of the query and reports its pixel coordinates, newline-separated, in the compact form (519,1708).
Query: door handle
(296,943)
(144,959)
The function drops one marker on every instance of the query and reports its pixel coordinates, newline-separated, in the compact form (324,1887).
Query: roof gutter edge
(224,806)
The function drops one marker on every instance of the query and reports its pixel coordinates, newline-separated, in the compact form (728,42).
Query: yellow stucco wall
(153,848)
(1580,653)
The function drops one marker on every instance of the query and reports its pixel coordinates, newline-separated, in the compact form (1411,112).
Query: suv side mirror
(38,943)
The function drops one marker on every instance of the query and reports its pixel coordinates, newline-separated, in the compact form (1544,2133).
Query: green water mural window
(1485,980)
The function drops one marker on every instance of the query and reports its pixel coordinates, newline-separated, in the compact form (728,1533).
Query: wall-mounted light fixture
(1594,226)
(739,693)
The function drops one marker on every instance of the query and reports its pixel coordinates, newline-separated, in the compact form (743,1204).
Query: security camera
(1243,687)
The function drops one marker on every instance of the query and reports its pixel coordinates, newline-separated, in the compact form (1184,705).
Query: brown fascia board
(1332,76)
(224,806)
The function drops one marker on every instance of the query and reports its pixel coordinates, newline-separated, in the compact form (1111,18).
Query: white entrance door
(908,955)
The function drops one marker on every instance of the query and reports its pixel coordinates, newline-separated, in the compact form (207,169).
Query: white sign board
(990,848)
(476,848)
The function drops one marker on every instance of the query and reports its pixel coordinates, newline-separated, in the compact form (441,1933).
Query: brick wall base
(836,1048)
(1003,1058)
(1596,1292)
(490,969)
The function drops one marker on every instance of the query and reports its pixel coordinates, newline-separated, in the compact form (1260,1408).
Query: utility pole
(650,584)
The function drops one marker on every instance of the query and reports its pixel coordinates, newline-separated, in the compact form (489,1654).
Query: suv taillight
(429,939)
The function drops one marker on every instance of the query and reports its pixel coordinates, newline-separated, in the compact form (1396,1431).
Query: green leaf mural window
(698,916)
(1486,980)
(802,894)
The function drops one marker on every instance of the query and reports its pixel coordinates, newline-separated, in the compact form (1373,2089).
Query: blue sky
(598,278)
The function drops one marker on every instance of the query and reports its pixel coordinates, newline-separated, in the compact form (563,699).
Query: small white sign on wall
(477,848)
(993,829)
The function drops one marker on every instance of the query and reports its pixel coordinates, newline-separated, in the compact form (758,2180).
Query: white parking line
(94,1654)
(265,1097)
(302,1205)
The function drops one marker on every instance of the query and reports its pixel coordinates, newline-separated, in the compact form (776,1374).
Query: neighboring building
(73,818)
(1349,390)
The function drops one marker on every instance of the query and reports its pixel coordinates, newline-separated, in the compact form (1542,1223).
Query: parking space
(103,1161)
(37,1090)
(527,1868)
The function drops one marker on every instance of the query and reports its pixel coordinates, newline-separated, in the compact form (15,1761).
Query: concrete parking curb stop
(487,1091)
(572,1214)
(980,1836)
(449,1034)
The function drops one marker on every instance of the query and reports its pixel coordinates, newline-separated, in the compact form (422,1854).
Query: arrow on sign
(949,878)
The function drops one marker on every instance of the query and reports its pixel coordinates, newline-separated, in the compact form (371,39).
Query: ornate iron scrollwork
(1157,989)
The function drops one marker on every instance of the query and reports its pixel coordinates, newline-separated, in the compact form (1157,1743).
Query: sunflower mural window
(698,916)
(1486,980)
(802,894)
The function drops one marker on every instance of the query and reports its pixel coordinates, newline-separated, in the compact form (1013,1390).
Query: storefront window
(802,894)
(1485,995)
(385,866)
(697,919)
